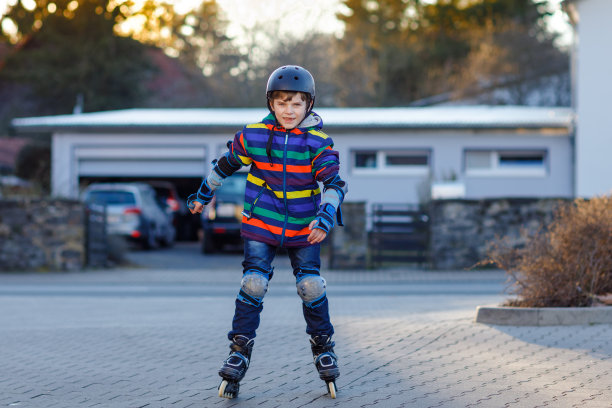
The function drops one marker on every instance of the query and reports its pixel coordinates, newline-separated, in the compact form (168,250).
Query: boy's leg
(257,271)
(306,263)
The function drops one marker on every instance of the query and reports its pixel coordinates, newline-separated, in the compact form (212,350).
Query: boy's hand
(197,208)
(316,235)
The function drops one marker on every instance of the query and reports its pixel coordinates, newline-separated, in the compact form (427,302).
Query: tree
(411,49)
(73,53)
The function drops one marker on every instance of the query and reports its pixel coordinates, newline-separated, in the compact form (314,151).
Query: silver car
(132,211)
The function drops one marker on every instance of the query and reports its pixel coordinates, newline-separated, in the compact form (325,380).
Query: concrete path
(156,338)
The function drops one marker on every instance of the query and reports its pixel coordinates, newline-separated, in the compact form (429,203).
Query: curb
(543,316)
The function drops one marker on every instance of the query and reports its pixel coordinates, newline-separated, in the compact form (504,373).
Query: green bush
(566,264)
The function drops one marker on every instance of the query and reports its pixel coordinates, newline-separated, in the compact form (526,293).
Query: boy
(283,207)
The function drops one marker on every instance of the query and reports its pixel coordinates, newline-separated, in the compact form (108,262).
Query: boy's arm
(334,190)
(223,168)
(326,165)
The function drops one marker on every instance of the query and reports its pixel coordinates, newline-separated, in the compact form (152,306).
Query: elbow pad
(226,165)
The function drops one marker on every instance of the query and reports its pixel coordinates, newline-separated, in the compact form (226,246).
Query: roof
(437,117)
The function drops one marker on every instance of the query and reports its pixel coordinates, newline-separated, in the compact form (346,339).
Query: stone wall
(462,230)
(39,234)
(349,244)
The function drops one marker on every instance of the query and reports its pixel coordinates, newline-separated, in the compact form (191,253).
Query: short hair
(287,95)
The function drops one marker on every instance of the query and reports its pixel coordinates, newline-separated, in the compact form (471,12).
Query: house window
(505,162)
(391,162)
(365,160)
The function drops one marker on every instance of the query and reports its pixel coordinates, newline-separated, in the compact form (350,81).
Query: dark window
(406,160)
(521,159)
(365,159)
(111,197)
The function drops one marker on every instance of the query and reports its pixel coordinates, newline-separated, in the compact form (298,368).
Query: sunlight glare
(28,4)
(9,27)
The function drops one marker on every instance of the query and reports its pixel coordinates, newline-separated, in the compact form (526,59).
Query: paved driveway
(145,337)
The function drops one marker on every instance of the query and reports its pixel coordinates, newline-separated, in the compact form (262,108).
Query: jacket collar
(311,121)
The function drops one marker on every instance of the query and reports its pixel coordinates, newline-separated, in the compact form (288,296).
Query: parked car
(133,212)
(176,208)
(222,218)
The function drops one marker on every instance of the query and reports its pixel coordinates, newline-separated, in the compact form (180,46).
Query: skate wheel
(331,386)
(222,387)
(228,389)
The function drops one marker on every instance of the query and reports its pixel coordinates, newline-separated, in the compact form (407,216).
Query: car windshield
(233,187)
(106,197)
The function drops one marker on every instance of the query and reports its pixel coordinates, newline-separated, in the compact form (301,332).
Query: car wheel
(151,241)
(168,238)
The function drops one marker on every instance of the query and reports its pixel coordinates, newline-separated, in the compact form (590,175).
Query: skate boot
(326,361)
(235,366)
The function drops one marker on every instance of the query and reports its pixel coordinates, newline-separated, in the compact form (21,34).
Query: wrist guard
(204,195)
(325,218)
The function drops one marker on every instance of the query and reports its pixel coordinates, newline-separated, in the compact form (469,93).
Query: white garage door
(134,161)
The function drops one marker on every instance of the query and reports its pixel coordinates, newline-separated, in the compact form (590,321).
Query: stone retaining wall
(42,234)
(349,244)
(462,230)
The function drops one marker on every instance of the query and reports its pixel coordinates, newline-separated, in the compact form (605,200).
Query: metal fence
(400,234)
(96,236)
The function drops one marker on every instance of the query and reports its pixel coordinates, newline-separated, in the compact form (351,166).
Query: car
(176,207)
(222,218)
(132,212)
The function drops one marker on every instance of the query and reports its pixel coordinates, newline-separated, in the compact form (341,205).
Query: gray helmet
(291,78)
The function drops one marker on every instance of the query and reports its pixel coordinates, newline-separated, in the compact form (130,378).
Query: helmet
(291,78)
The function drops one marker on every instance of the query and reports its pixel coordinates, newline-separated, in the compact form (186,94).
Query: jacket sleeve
(239,151)
(326,162)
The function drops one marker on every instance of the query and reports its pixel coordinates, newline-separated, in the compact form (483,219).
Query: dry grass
(566,264)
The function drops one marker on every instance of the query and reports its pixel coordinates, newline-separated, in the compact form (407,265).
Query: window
(391,162)
(505,162)
(365,160)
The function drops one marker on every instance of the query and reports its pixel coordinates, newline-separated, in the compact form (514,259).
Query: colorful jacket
(282,195)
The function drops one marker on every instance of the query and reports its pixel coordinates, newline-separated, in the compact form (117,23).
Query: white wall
(593,95)
(447,153)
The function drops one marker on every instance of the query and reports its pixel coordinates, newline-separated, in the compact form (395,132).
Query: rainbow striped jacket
(282,194)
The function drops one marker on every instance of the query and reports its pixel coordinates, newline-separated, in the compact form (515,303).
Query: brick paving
(146,338)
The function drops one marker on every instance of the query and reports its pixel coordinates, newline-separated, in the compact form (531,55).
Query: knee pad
(311,288)
(253,288)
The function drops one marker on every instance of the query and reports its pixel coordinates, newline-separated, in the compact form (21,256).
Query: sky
(299,15)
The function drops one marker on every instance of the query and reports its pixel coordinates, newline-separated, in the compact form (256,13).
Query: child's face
(289,111)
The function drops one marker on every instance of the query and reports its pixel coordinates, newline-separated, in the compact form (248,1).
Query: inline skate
(326,361)
(235,366)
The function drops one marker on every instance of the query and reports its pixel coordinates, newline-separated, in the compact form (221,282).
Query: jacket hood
(311,121)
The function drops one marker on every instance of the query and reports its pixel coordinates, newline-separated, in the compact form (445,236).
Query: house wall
(594,87)
(447,157)
(189,155)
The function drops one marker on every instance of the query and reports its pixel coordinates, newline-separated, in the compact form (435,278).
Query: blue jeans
(259,256)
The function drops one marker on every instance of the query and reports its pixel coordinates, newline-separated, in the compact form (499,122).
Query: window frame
(382,168)
(497,169)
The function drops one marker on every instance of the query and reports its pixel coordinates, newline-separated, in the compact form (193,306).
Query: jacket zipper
(285,189)
(314,200)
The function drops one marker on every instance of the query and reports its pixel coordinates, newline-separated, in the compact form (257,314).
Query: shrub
(568,263)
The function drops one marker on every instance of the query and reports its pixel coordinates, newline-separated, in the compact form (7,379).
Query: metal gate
(400,234)
(96,238)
